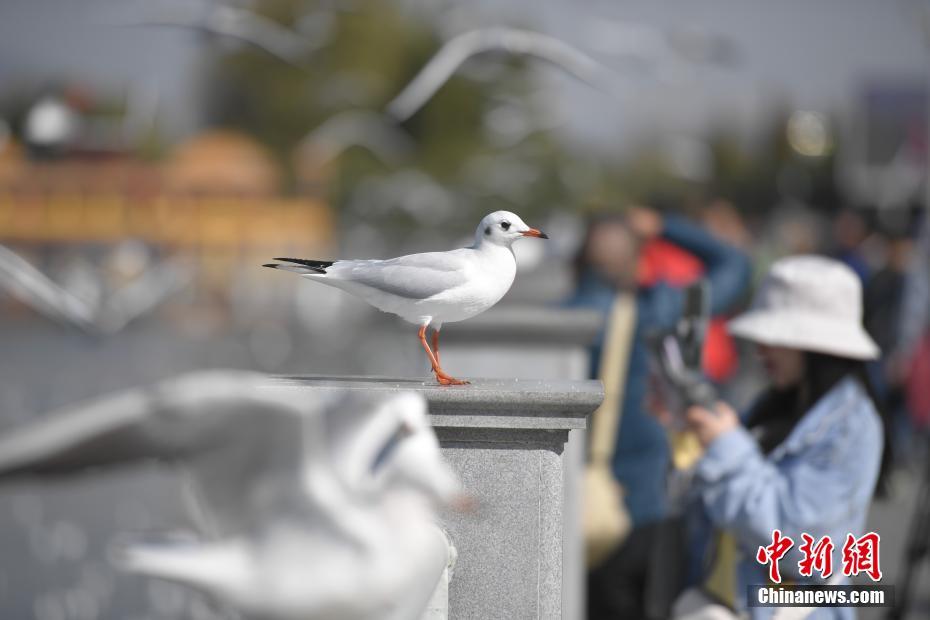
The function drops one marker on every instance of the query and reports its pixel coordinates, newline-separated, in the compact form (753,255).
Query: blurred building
(215,201)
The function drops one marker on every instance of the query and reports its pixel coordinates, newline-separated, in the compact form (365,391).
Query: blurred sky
(806,54)
(813,54)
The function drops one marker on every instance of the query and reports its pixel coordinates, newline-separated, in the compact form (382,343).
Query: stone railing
(506,439)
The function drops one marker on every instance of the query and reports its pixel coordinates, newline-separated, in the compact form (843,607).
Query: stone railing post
(506,440)
(538,343)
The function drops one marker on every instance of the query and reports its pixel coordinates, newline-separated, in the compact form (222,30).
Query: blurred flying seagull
(380,132)
(312,505)
(227,21)
(32,287)
(458,49)
(432,288)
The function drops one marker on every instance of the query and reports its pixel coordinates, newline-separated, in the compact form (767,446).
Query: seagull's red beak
(534,232)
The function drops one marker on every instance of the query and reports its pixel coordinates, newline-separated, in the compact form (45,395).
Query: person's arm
(728,270)
(749,495)
(746,493)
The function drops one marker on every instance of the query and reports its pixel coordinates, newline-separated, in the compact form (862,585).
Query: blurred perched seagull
(311,508)
(432,288)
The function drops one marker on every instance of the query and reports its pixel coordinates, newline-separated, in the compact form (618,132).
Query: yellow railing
(181,222)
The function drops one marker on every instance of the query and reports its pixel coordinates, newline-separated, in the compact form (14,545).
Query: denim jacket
(819,481)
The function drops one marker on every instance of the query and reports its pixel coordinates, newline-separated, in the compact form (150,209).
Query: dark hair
(777,411)
(594,220)
(581,262)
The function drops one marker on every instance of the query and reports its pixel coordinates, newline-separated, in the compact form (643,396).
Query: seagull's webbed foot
(445,379)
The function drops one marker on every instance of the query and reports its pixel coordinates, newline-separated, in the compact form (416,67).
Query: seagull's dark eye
(505,225)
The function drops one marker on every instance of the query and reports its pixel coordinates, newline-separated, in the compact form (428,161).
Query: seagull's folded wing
(416,276)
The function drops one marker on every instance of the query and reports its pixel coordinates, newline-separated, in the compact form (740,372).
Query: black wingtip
(271,265)
(319,266)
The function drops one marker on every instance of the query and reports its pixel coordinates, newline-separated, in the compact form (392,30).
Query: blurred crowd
(839,297)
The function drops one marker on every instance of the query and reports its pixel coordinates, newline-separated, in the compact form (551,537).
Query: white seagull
(432,288)
(310,506)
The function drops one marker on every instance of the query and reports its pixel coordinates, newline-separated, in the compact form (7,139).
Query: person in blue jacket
(807,456)
(627,585)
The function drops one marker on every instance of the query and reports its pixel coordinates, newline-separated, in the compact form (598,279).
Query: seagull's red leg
(436,345)
(432,358)
(441,376)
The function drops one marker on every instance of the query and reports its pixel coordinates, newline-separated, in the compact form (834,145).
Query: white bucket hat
(810,303)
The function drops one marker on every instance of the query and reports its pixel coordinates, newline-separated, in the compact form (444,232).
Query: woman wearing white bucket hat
(808,457)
